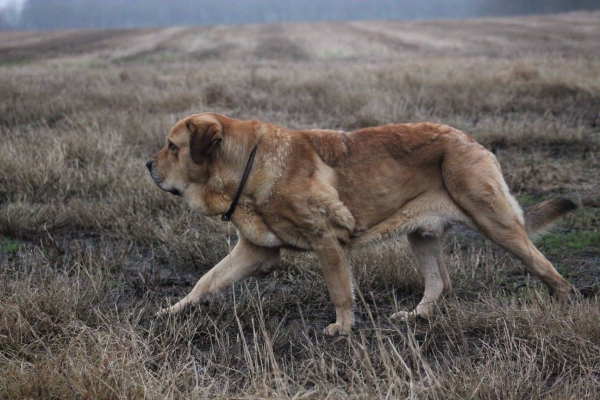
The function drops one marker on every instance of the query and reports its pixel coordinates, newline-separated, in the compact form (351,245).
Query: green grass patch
(528,200)
(9,245)
(564,269)
(557,242)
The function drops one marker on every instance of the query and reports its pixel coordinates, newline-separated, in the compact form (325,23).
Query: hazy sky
(3,3)
(98,14)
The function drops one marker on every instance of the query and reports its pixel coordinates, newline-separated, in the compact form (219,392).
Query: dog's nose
(149,165)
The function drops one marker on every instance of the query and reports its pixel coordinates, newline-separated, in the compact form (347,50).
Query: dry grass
(90,248)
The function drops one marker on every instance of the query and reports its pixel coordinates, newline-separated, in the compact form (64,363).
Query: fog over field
(90,248)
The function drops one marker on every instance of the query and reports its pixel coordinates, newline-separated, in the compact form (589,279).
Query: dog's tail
(540,217)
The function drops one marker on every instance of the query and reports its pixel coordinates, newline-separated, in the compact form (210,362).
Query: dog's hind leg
(428,250)
(244,260)
(479,188)
(509,233)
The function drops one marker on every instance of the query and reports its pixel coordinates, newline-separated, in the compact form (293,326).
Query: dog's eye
(172,147)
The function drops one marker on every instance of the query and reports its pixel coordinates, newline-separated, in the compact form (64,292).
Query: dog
(328,191)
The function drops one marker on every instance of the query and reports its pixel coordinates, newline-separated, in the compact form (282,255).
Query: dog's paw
(169,310)
(575,294)
(566,293)
(336,329)
(162,312)
(563,292)
(178,307)
(404,316)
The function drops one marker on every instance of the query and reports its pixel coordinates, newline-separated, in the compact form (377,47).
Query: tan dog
(326,191)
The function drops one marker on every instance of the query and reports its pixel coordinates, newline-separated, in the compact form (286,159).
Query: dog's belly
(377,193)
(430,213)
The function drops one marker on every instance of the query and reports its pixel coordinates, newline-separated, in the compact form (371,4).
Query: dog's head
(182,166)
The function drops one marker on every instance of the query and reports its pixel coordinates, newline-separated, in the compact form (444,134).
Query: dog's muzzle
(156,179)
(149,165)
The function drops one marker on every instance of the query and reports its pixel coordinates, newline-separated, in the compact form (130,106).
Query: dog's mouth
(158,180)
(174,191)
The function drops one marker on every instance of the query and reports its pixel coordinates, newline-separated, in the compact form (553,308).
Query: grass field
(90,249)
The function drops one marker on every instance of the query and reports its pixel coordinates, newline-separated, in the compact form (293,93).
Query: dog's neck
(229,164)
(231,159)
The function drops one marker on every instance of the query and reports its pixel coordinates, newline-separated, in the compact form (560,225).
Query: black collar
(227,216)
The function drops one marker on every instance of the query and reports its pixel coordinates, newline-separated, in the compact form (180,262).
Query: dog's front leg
(241,263)
(339,283)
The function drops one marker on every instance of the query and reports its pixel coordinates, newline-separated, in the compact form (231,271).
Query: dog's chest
(253,227)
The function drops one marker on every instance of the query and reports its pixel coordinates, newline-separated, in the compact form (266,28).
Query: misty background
(69,14)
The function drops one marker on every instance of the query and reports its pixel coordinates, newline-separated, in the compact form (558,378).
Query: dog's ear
(203,139)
